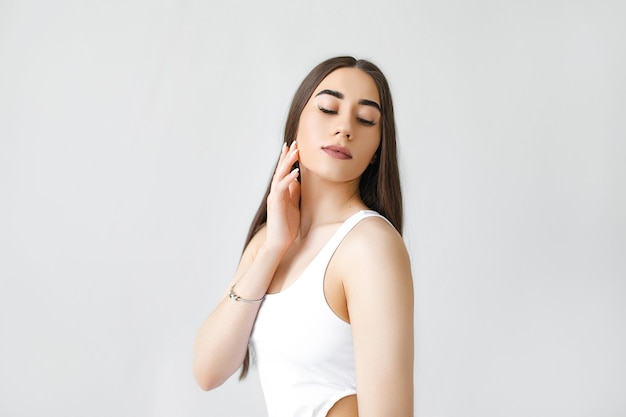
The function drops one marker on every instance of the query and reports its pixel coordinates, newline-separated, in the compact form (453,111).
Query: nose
(344,127)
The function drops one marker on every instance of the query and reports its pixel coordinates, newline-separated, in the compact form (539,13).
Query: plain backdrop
(137,137)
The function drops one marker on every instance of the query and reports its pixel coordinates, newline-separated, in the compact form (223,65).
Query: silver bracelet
(233,296)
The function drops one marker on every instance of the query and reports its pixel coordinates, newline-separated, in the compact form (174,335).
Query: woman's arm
(222,340)
(379,294)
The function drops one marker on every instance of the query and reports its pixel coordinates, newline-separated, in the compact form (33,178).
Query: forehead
(352,82)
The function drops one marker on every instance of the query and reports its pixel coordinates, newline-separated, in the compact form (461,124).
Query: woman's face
(339,128)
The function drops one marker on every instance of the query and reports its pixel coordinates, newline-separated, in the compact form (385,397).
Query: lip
(338,152)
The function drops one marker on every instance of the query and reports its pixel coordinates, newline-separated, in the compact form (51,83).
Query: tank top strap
(345,228)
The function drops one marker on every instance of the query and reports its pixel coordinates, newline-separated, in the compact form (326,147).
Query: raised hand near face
(283,201)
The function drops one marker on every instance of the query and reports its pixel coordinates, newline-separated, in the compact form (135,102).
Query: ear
(374,158)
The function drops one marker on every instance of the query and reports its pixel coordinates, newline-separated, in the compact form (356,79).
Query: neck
(323,201)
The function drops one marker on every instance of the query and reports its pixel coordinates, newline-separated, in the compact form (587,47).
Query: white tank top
(303,350)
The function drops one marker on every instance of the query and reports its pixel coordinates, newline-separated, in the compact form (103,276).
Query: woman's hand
(283,201)
(222,341)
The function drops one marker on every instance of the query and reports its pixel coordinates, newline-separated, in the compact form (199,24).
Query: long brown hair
(379,186)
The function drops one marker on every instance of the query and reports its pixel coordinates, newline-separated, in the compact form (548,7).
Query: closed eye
(359,119)
(323,110)
(366,122)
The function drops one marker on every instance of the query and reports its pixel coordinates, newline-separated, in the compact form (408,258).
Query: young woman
(323,294)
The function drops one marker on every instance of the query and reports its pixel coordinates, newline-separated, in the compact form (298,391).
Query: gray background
(136,139)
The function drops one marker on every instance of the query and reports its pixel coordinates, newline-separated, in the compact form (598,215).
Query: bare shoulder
(372,253)
(374,241)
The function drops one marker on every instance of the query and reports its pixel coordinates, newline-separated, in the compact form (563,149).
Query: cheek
(307,153)
(308,134)
(308,126)
(306,146)
(373,140)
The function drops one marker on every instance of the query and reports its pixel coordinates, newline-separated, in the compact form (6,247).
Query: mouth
(338,152)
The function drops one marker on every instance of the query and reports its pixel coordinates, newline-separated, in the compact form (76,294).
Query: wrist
(273,250)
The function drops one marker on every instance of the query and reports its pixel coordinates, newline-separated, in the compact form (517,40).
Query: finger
(283,184)
(290,152)
(286,163)
(284,150)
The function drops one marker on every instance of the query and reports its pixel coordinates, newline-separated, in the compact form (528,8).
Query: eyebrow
(339,95)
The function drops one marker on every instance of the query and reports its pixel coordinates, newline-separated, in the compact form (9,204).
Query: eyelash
(364,121)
